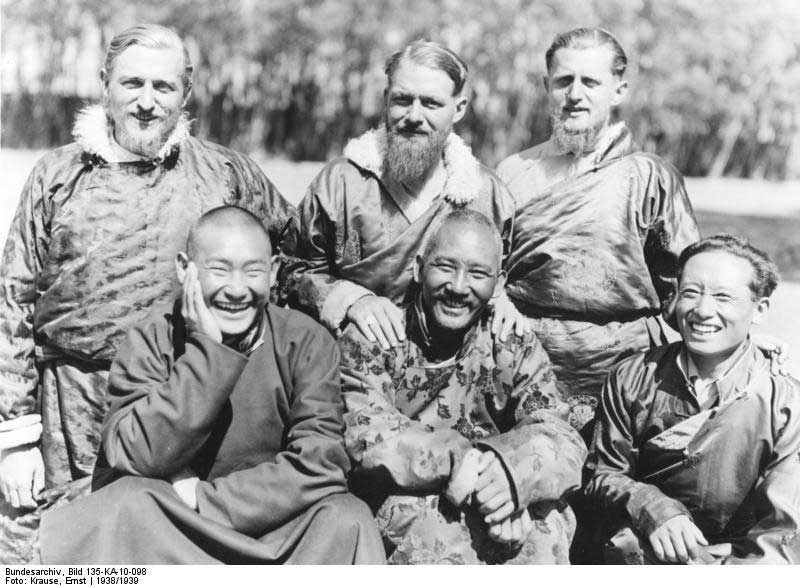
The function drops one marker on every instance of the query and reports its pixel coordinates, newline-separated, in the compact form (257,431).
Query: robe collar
(248,341)
(93,133)
(463,183)
(735,380)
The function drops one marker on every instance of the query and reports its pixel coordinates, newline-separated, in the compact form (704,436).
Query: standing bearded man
(91,248)
(599,227)
(365,216)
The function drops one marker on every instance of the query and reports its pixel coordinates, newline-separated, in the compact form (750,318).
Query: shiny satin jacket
(92,246)
(600,245)
(737,473)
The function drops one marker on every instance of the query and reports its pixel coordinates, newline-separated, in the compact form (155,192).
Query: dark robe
(262,432)
(734,467)
(594,254)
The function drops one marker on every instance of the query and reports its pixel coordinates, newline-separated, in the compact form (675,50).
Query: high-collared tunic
(262,432)
(410,421)
(733,468)
(594,255)
(356,237)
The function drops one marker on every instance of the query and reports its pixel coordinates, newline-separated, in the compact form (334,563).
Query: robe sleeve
(26,246)
(378,435)
(612,488)
(668,222)
(313,463)
(542,454)
(163,411)
(318,290)
(775,538)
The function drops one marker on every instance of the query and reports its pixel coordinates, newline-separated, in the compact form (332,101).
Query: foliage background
(714,83)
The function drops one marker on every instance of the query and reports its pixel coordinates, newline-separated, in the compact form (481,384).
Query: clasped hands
(481,479)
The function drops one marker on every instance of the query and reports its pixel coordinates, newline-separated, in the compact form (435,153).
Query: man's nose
(146,99)
(458,284)
(236,289)
(414,113)
(575,92)
(705,305)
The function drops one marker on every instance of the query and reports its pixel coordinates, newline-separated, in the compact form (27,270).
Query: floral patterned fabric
(410,422)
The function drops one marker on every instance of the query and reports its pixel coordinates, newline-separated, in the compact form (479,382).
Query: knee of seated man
(130,492)
(344,512)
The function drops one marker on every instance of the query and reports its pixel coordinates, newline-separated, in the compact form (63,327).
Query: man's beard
(408,159)
(574,141)
(146,143)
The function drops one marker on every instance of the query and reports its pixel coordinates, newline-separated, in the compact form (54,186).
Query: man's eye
(217,270)
(431,104)
(720,297)
(256,272)
(590,83)
(164,88)
(401,100)
(479,275)
(132,84)
(689,294)
(444,267)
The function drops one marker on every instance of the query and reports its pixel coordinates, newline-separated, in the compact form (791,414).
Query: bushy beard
(573,141)
(146,143)
(409,158)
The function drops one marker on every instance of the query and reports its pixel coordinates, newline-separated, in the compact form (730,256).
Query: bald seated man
(459,437)
(223,440)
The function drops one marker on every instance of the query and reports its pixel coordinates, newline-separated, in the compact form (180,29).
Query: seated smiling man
(460,440)
(226,426)
(697,443)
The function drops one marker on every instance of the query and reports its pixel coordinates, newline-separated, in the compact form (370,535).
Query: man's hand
(379,320)
(493,490)
(194,310)
(513,530)
(463,479)
(185,485)
(678,540)
(776,349)
(506,316)
(21,476)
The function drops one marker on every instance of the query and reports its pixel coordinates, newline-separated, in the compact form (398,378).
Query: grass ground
(766,213)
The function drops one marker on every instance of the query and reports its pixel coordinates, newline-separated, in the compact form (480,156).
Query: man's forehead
(415,78)
(718,269)
(215,241)
(597,59)
(151,62)
(467,242)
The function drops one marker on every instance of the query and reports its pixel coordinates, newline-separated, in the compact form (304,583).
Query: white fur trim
(91,131)
(463,170)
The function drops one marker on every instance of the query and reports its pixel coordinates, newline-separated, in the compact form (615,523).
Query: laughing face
(716,307)
(582,90)
(143,96)
(458,277)
(234,274)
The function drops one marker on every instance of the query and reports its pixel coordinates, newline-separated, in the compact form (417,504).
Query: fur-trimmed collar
(463,170)
(91,132)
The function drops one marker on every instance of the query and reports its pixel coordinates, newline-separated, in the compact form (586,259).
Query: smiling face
(458,276)
(582,90)
(143,96)
(420,113)
(234,267)
(716,307)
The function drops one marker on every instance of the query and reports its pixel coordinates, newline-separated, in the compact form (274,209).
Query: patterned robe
(90,250)
(356,239)
(262,431)
(733,468)
(594,254)
(409,423)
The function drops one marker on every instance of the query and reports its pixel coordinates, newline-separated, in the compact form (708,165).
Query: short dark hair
(466,217)
(587,38)
(227,216)
(765,273)
(433,55)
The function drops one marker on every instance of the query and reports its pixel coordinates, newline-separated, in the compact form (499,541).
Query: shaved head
(230,218)
(465,219)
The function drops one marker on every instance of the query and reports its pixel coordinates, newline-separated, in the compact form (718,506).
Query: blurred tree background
(715,84)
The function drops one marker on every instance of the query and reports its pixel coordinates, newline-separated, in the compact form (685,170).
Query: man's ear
(274,267)
(546,82)
(620,93)
(760,311)
(418,269)
(187,92)
(461,107)
(104,82)
(499,285)
(181,263)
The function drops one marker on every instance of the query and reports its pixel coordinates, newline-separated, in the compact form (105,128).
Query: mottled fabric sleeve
(313,463)
(775,538)
(25,248)
(668,221)
(612,488)
(541,452)
(378,435)
(162,411)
